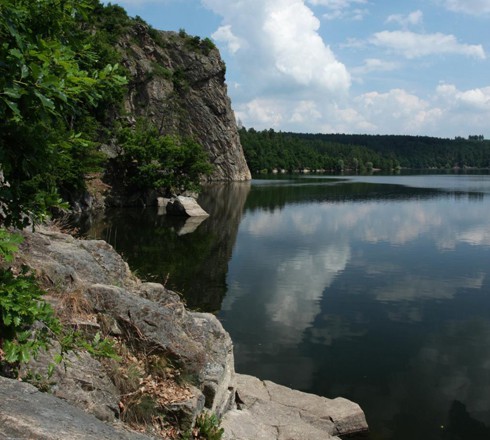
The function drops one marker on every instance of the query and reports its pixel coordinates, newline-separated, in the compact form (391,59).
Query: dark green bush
(152,161)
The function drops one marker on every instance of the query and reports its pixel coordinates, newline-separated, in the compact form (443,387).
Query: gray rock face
(274,412)
(185,206)
(196,342)
(80,380)
(26,413)
(180,86)
(67,263)
(146,313)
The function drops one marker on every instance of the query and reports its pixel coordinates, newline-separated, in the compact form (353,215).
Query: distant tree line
(269,150)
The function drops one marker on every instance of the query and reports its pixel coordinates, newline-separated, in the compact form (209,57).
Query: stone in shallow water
(185,206)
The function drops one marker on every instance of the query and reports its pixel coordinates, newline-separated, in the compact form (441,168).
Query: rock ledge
(273,412)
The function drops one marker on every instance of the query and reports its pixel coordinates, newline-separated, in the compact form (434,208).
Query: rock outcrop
(268,411)
(26,413)
(153,321)
(151,317)
(178,82)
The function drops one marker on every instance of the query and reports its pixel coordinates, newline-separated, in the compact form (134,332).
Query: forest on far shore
(269,150)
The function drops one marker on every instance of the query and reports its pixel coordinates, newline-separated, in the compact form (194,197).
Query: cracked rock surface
(274,412)
(26,413)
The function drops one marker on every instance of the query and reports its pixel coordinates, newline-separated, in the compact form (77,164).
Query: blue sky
(346,66)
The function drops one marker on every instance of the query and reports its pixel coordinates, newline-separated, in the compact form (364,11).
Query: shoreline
(196,342)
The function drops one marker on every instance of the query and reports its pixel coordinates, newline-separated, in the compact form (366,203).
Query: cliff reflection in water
(189,256)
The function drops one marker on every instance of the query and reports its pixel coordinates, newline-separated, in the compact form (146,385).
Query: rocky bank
(183,362)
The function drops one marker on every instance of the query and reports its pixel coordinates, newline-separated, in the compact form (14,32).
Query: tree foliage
(21,306)
(60,89)
(50,81)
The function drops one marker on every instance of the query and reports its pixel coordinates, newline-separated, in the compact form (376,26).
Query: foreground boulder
(273,412)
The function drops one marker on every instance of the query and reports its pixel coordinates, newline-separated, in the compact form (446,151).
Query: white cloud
(412,19)
(262,113)
(473,7)
(341,8)
(305,111)
(414,45)
(375,65)
(395,111)
(467,109)
(298,50)
(477,99)
(290,79)
(399,110)
(225,35)
(278,41)
(336,4)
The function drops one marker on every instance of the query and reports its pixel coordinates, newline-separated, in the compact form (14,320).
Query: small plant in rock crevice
(207,427)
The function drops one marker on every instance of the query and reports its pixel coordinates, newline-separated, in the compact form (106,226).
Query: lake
(374,288)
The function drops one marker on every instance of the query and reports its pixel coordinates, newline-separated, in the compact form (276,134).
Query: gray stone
(80,380)
(276,412)
(186,412)
(68,264)
(146,313)
(162,202)
(196,342)
(185,206)
(26,413)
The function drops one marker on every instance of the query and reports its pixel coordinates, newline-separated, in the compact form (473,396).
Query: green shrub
(27,323)
(208,425)
(152,161)
(21,306)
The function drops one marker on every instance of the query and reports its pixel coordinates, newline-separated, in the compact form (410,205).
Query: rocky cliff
(178,82)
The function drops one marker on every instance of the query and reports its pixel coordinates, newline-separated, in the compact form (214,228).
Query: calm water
(372,288)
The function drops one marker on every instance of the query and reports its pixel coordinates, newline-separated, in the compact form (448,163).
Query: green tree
(149,160)
(49,81)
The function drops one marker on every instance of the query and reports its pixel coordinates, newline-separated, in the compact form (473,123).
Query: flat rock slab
(274,412)
(26,413)
(185,206)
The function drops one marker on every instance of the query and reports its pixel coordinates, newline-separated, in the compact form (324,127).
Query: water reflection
(374,288)
(188,255)
(342,294)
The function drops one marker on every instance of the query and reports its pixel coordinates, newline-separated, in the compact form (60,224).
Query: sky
(346,66)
